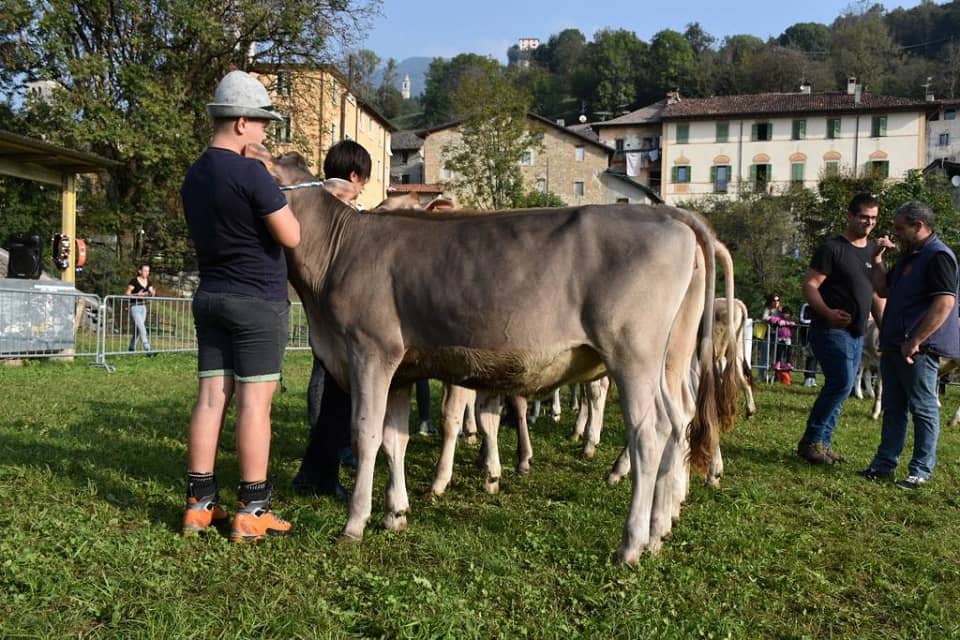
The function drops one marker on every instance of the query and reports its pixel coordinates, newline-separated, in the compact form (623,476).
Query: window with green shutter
(799,129)
(723,131)
(831,168)
(683,133)
(878,127)
(720,177)
(760,175)
(761,131)
(833,128)
(796,174)
(879,168)
(681,174)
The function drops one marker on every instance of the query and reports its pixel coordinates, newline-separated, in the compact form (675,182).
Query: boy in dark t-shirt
(240,223)
(840,292)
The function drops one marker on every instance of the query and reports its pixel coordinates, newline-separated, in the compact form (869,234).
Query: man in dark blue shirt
(920,325)
(240,223)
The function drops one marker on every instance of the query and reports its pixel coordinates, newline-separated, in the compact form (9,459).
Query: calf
(636,288)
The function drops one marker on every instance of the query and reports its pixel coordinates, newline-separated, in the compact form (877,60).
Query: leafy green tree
(735,59)
(136,76)
(809,37)
(672,61)
(539,200)
(616,56)
(862,46)
(443,80)
(495,134)
(360,67)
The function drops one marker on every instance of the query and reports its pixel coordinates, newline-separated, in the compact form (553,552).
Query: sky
(444,28)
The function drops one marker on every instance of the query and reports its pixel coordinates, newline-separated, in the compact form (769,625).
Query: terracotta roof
(405,140)
(650,114)
(787,103)
(423,133)
(415,188)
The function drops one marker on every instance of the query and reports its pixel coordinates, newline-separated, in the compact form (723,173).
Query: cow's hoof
(523,468)
(629,557)
(588,452)
(492,486)
(346,538)
(556,419)
(576,437)
(438,490)
(396,522)
(471,439)
(713,481)
(654,546)
(614,478)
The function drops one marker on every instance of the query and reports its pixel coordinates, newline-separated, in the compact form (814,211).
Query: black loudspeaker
(24,250)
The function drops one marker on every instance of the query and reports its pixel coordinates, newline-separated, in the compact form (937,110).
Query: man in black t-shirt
(839,289)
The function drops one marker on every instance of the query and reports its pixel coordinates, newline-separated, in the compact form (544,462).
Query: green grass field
(92,481)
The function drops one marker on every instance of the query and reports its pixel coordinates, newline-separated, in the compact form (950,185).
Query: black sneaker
(872,474)
(911,482)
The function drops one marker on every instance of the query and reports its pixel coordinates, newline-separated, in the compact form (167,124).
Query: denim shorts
(240,336)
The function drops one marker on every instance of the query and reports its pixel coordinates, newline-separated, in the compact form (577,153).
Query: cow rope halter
(302,185)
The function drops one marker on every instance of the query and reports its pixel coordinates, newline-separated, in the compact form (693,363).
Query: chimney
(857,93)
(561,122)
(673,96)
(928,91)
(805,87)
(851,85)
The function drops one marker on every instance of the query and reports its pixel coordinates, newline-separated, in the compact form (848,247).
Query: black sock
(201,485)
(254,491)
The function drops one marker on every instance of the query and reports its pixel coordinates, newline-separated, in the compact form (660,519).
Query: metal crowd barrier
(765,352)
(52,320)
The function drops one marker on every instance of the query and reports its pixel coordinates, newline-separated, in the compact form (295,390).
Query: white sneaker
(810,382)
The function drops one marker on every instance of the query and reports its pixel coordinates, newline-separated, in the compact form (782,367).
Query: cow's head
(288,168)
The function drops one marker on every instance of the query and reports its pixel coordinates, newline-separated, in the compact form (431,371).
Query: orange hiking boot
(255,521)
(201,513)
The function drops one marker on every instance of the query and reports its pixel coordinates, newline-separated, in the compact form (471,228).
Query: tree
(862,47)
(616,56)
(360,67)
(444,78)
(735,59)
(809,37)
(389,100)
(136,76)
(539,200)
(672,61)
(495,134)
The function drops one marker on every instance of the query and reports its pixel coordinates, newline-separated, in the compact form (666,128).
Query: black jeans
(328,409)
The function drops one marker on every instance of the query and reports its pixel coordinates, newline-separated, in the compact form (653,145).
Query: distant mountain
(416,68)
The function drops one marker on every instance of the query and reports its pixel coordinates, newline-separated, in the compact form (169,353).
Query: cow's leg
(868,383)
(524,447)
(369,396)
(857,383)
(535,412)
(669,492)
(620,468)
(489,419)
(746,384)
(470,420)
(646,443)
(877,406)
(583,415)
(555,405)
(574,398)
(715,471)
(455,401)
(596,399)
(396,434)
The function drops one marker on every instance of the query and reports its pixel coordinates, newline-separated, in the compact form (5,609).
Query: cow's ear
(259,152)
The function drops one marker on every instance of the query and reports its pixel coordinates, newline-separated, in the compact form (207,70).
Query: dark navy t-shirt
(225,198)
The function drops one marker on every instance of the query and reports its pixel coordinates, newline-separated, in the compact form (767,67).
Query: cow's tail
(728,388)
(703,431)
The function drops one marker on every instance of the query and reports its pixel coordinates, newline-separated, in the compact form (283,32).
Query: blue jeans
(138,313)
(913,388)
(838,353)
